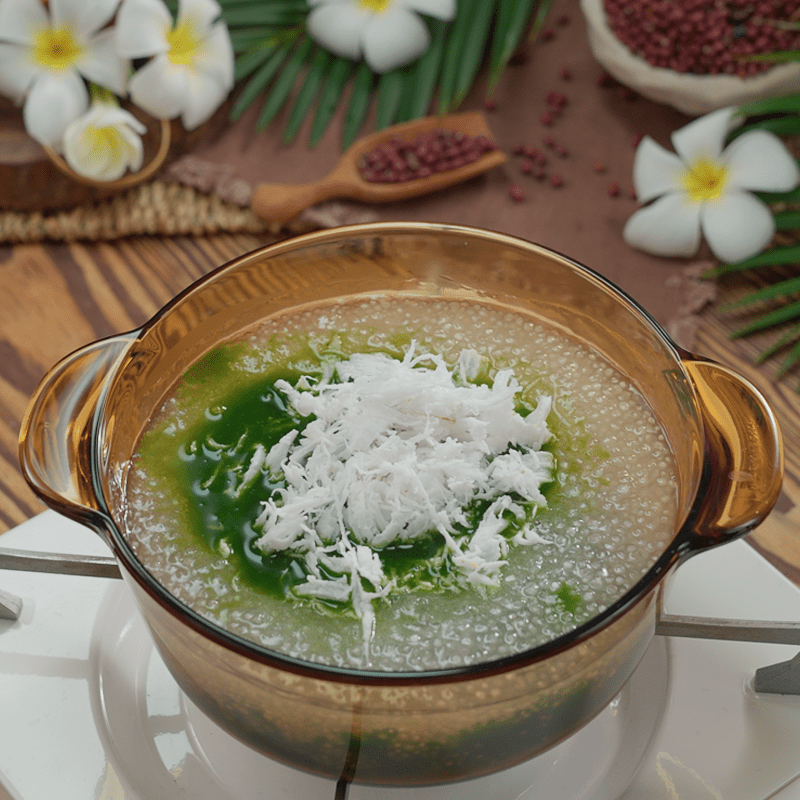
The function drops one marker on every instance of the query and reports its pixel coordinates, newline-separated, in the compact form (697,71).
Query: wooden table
(56,297)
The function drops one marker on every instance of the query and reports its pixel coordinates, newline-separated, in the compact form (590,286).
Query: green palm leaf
(780,126)
(358,106)
(512,17)
(388,96)
(261,13)
(315,77)
(473,50)
(769,320)
(275,60)
(772,105)
(780,197)
(778,345)
(777,256)
(421,78)
(253,58)
(256,85)
(329,99)
(279,93)
(779,56)
(459,41)
(773,291)
(787,220)
(791,359)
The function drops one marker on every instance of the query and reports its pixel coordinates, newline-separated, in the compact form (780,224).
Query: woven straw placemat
(159,208)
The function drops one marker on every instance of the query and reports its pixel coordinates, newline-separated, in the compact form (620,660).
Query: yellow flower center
(56,48)
(705,180)
(376,6)
(103,140)
(183,43)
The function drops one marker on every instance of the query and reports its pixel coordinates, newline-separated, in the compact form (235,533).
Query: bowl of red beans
(696,55)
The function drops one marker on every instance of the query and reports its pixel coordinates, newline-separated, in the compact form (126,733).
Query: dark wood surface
(55,298)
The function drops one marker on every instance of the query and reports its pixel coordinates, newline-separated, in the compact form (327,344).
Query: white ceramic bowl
(692,94)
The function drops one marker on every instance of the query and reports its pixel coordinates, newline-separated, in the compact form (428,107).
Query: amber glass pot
(402,728)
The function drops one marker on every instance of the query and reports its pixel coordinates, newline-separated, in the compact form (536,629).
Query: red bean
(703,37)
(397,160)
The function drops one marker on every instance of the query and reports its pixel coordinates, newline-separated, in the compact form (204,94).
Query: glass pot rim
(685,541)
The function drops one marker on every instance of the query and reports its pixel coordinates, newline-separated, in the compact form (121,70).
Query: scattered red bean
(563,19)
(519,150)
(548,35)
(556,100)
(526,167)
(556,181)
(703,37)
(599,166)
(540,174)
(613,189)
(547,118)
(566,73)
(489,104)
(517,193)
(398,160)
(549,141)
(561,150)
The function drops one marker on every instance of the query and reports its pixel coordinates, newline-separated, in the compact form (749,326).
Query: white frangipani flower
(705,188)
(104,142)
(47,51)
(191,72)
(387,33)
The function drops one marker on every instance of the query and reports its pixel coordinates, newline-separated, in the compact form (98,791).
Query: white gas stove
(88,711)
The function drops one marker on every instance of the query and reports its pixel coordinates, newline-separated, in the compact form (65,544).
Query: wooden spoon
(276,202)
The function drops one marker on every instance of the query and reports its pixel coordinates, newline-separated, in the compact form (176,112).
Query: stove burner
(162,745)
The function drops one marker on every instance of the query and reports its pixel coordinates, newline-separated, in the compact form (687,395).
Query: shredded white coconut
(397,449)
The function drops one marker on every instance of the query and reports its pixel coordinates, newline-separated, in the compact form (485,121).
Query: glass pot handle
(57,431)
(744,455)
